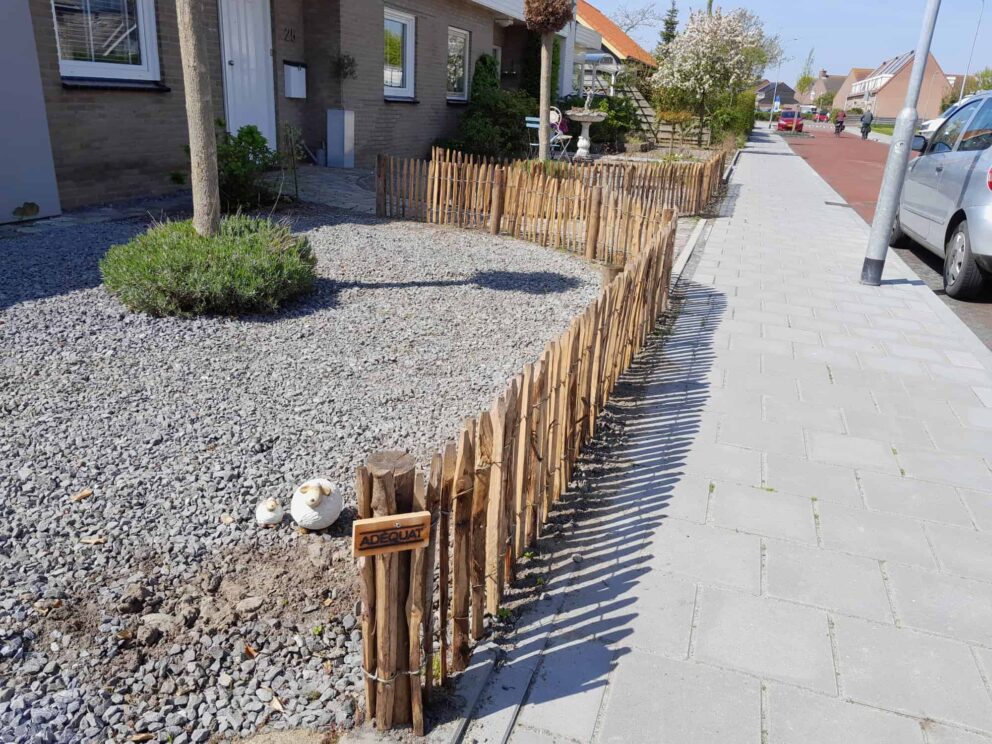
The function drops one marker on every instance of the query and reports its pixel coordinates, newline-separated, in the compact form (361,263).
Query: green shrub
(486,76)
(242,160)
(621,117)
(251,265)
(734,116)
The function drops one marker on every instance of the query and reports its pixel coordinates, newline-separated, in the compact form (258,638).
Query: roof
(892,66)
(832,83)
(859,73)
(785,93)
(614,38)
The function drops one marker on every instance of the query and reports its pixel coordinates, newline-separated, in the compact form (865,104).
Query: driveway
(854,169)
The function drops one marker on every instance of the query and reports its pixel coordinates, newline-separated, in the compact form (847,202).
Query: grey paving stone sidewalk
(793,542)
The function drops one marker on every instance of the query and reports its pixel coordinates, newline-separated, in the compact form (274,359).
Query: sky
(849,33)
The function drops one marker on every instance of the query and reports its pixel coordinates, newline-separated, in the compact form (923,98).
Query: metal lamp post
(974,41)
(898,159)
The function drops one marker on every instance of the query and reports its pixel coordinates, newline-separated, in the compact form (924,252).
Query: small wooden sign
(390,534)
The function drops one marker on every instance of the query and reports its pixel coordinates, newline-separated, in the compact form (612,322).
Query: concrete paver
(760,512)
(791,540)
(798,716)
(946,605)
(909,672)
(874,534)
(847,584)
(765,637)
(677,706)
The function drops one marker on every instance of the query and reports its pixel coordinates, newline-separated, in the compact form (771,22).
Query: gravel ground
(155,605)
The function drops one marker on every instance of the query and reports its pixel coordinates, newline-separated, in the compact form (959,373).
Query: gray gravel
(189,621)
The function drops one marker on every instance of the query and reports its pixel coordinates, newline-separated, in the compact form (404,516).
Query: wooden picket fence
(490,492)
(607,211)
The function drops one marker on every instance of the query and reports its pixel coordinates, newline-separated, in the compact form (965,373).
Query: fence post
(592,222)
(380,185)
(392,474)
(497,203)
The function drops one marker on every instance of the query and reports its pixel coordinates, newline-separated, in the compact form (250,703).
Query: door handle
(230,62)
(939,169)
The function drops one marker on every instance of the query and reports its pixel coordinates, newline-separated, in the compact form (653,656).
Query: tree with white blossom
(717,53)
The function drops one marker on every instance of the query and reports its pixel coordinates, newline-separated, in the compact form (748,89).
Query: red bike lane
(853,167)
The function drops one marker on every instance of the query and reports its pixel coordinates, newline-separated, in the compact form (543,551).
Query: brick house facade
(119,138)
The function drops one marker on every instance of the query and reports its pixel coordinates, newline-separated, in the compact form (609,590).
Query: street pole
(972,54)
(771,113)
(898,160)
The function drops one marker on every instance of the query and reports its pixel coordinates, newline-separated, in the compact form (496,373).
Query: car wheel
(963,279)
(897,238)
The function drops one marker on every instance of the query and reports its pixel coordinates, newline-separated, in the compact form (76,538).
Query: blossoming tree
(715,54)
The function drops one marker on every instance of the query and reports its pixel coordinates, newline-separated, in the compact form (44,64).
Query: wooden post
(444,546)
(499,185)
(434,485)
(462,488)
(415,614)
(494,510)
(392,476)
(366,567)
(480,496)
(380,185)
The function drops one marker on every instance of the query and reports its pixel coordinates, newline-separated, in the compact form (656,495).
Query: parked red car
(787,122)
(822,116)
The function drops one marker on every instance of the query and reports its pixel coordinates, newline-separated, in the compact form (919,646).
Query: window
(978,135)
(458,43)
(106,38)
(947,135)
(400,38)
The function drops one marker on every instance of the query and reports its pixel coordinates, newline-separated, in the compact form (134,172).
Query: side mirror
(919,143)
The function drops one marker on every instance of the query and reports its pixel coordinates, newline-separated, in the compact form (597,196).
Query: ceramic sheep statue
(268,513)
(316,504)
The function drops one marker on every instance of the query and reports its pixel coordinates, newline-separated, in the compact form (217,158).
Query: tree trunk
(701,112)
(544,112)
(199,116)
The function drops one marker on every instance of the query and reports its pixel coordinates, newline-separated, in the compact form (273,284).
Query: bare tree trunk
(701,112)
(544,113)
(199,116)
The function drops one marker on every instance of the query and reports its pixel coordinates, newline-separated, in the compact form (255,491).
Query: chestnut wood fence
(490,492)
(607,211)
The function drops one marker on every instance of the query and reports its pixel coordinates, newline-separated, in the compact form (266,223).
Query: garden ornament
(268,513)
(316,504)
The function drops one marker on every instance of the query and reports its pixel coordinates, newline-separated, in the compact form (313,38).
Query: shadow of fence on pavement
(584,583)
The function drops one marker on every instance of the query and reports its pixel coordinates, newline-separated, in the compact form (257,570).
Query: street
(853,168)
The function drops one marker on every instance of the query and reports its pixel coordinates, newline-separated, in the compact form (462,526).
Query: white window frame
(409,54)
(456,96)
(147,38)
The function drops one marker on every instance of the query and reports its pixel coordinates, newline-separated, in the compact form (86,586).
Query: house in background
(883,90)
(764,96)
(617,50)
(103,80)
(614,39)
(825,84)
(856,75)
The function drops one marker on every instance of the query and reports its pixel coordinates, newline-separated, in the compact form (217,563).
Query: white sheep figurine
(316,504)
(268,513)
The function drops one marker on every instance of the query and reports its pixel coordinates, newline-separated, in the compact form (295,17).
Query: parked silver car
(947,197)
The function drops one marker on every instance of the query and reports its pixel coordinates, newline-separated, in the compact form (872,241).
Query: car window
(978,135)
(950,130)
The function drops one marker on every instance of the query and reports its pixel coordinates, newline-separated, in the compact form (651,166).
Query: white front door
(246,46)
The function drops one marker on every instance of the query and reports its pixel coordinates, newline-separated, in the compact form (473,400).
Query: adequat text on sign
(390,534)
